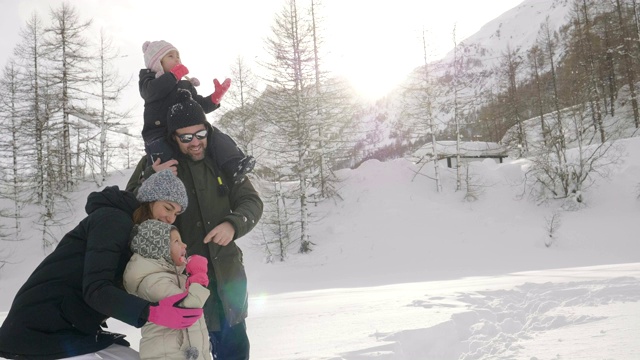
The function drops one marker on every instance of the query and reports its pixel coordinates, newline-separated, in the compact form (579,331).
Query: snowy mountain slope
(515,29)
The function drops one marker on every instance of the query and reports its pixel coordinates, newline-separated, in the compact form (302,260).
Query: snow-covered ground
(400,271)
(573,313)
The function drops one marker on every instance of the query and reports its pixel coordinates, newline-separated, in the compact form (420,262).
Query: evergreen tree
(109,120)
(509,69)
(12,172)
(306,115)
(456,84)
(573,152)
(277,225)
(290,107)
(29,57)
(628,53)
(333,132)
(417,120)
(535,59)
(241,120)
(69,74)
(585,63)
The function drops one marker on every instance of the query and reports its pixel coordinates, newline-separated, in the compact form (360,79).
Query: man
(219,212)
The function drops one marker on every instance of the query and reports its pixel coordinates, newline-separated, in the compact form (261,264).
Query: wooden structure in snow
(468,150)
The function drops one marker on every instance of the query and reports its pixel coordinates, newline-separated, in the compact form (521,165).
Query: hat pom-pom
(194,81)
(183,95)
(145,46)
(192,353)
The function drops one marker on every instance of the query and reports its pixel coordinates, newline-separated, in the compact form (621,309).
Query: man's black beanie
(185,112)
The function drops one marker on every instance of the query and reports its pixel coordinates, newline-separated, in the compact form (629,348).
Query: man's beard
(197,157)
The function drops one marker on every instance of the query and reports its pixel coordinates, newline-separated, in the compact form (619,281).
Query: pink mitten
(199,278)
(166,313)
(197,270)
(196,264)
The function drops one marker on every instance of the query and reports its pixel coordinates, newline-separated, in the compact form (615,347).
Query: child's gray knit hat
(151,240)
(163,186)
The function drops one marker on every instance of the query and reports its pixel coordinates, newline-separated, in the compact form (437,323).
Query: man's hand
(169,164)
(221,234)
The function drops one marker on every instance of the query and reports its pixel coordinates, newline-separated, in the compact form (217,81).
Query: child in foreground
(154,272)
(158,84)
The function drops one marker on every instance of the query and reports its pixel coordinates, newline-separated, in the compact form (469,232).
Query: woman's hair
(142,213)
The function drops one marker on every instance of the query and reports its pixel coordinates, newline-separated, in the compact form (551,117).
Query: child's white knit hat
(154,51)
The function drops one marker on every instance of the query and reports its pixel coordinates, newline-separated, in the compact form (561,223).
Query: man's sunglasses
(187,138)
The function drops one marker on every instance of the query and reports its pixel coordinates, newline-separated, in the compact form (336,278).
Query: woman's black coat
(61,309)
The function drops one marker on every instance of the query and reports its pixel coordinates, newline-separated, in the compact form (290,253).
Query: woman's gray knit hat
(151,240)
(163,186)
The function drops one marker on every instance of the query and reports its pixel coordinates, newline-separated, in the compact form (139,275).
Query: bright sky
(375,44)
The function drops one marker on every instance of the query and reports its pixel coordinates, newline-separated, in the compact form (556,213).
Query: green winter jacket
(241,206)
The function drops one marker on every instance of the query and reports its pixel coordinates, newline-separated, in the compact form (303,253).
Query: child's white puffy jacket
(154,280)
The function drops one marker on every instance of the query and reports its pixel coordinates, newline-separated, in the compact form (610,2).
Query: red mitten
(179,71)
(167,313)
(221,89)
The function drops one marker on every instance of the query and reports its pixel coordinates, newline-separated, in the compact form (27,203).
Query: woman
(61,310)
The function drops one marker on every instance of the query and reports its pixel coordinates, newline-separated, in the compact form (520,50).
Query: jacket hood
(140,268)
(113,197)
(151,240)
